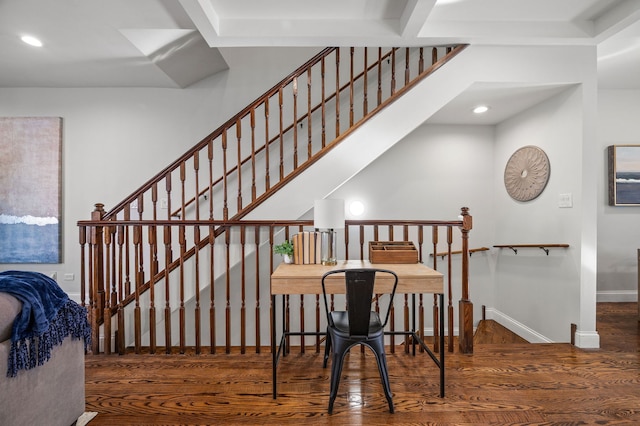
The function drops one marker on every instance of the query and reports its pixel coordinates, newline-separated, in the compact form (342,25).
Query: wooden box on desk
(392,252)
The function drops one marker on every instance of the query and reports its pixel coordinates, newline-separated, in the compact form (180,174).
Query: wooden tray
(392,252)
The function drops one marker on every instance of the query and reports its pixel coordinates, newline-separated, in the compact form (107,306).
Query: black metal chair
(358,325)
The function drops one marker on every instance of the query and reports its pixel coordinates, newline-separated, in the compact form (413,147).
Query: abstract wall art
(30,189)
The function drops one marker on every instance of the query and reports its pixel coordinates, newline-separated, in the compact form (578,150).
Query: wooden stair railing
(203,189)
(223,296)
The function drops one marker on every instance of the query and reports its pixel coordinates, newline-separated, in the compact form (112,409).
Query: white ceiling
(170,43)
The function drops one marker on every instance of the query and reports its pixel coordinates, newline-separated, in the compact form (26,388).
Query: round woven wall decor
(526,173)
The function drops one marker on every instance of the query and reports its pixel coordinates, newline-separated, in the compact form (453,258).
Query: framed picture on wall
(624,175)
(30,189)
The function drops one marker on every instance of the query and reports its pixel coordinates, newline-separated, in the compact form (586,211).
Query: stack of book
(307,248)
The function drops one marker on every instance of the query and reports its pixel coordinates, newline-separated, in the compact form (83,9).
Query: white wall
(535,289)
(115,139)
(618,227)
(431,174)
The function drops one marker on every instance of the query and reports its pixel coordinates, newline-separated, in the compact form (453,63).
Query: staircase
(191,216)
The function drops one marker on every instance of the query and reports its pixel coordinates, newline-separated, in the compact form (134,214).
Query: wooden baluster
(393,71)
(434,55)
(421,61)
(210,158)
(122,237)
(392,315)
(362,245)
(167,183)
(281,134)
(337,92)
(127,254)
(449,289)
(309,121)
(140,247)
(436,321)
(243,283)
(351,72)
(253,154)
(167,289)
(154,203)
(92,307)
(407,326)
(323,108)
(407,67)
(212,298)
(107,308)
(267,184)
(137,285)
(196,170)
(154,200)
(365,86)
(379,76)
(295,123)
(256,231)
(346,242)
(152,296)
(239,169)
(183,248)
(227,238)
(225,209)
(271,305)
(114,276)
(82,239)
(196,313)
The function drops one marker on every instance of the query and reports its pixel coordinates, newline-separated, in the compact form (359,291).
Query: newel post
(97,285)
(465,307)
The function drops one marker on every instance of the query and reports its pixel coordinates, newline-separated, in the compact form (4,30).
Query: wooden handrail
(443,254)
(544,247)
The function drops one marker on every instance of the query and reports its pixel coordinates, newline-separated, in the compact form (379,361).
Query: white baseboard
(520,329)
(617,296)
(587,340)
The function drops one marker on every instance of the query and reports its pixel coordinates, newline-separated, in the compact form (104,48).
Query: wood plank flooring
(501,383)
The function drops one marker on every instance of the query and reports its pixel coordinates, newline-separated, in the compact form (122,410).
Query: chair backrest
(359,288)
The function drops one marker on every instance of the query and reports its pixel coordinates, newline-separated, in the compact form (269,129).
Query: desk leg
(413,326)
(441,302)
(274,355)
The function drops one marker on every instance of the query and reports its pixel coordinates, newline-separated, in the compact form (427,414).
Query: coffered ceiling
(171,43)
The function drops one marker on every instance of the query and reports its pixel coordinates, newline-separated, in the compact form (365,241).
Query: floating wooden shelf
(544,247)
(471,251)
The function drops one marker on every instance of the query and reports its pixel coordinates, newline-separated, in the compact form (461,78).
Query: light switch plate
(565,200)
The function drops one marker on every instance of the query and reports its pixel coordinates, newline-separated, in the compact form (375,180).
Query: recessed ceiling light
(31,41)
(480,109)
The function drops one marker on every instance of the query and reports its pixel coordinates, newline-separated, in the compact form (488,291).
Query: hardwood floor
(503,383)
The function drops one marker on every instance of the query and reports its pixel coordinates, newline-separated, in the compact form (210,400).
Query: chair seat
(341,322)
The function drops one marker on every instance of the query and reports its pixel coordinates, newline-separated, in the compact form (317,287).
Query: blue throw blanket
(48,316)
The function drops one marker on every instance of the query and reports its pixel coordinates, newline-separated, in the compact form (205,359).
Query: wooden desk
(414,278)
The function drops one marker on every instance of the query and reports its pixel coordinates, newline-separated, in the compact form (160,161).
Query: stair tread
(490,332)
